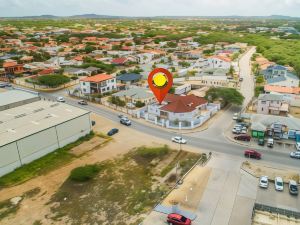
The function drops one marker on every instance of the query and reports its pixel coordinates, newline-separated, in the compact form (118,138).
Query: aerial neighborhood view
(149,112)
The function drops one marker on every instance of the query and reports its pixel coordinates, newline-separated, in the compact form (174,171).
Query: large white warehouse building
(34,129)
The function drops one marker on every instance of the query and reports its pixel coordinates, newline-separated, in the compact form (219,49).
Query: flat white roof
(13,96)
(22,121)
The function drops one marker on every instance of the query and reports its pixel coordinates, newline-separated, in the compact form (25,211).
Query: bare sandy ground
(189,194)
(35,209)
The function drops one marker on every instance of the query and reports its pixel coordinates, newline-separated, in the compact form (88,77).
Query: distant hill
(96,16)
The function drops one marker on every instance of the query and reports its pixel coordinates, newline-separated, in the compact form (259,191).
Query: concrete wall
(37,145)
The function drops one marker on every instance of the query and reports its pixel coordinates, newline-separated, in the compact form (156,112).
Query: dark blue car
(112,132)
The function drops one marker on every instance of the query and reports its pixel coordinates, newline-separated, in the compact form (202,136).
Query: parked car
(8,85)
(241,79)
(295,155)
(244,130)
(279,184)
(125,121)
(293,187)
(60,99)
(263,182)
(93,123)
(177,219)
(236,130)
(235,116)
(242,137)
(252,154)
(82,102)
(270,142)
(112,132)
(297,146)
(244,124)
(179,140)
(2,85)
(261,142)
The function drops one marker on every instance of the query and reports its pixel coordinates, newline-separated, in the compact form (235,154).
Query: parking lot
(278,199)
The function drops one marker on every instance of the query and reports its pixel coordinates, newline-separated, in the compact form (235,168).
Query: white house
(219,62)
(101,83)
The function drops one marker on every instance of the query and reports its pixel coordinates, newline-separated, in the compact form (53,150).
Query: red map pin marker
(160,81)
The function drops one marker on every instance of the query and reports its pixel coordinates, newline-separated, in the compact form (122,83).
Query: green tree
(260,79)
(139,104)
(226,95)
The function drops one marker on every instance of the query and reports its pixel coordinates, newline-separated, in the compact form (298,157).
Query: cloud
(150,7)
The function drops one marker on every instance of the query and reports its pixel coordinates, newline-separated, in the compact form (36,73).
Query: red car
(252,154)
(242,137)
(176,219)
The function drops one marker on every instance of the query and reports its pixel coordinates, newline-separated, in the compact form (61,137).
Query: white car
(298,146)
(235,116)
(264,182)
(179,140)
(279,184)
(60,99)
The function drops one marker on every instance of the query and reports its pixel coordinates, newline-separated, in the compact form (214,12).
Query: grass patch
(6,209)
(151,153)
(119,190)
(84,173)
(44,164)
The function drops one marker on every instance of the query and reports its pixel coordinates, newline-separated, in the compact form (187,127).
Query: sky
(150,7)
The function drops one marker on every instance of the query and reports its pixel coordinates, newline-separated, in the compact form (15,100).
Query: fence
(23,83)
(270,209)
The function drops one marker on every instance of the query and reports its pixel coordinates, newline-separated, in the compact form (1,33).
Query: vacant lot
(124,190)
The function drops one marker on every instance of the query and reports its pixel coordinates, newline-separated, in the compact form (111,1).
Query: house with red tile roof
(119,61)
(100,83)
(12,67)
(177,111)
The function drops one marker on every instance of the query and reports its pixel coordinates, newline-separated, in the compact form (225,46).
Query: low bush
(151,153)
(84,173)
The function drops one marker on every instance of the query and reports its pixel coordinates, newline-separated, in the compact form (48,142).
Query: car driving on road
(278,184)
(263,182)
(177,219)
(179,140)
(252,154)
(295,155)
(60,99)
(82,102)
(125,121)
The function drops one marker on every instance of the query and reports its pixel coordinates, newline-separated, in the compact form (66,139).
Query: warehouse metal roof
(23,121)
(13,96)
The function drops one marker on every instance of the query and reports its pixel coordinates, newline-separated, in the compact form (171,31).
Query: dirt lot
(189,194)
(295,112)
(39,208)
(258,170)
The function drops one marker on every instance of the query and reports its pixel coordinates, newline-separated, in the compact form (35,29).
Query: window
(83,83)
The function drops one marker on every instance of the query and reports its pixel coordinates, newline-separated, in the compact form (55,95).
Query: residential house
(12,67)
(274,104)
(219,62)
(101,83)
(119,61)
(280,76)
(136,94)
(129,78)
(181,112)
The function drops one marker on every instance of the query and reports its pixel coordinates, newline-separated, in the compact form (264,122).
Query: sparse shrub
(84,173)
